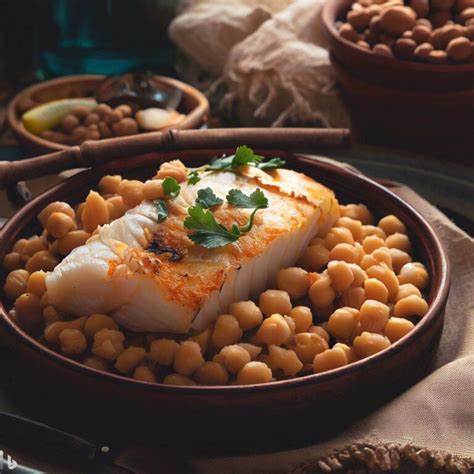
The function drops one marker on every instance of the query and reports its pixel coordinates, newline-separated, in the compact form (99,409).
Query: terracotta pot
(324,394)
(194,104)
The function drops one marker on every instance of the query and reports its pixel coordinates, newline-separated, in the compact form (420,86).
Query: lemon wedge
(49,115)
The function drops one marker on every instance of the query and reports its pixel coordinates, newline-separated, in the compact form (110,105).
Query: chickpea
(102,110)
(96,322)
(412,305)
(113,117)
(91,119)
(126,126)
(396,328)
(188,358)
(459,49)
(348,32)
(12,261)
(117,207)
(96,363)
(79,211)
(371,243)
(59,224)
(247,313)
(44,300)
(295,281)
(397,19)
(69,123)
(368,344)
(341,275)
(358,212)
(104,130)
(226,331)
(202,338)
(274,330)
(315,257)
(72,341)
(108,343)
(404,48)
(353,225)
(329,359)
(414,273)
(375,290)
(252,349)
(359,275)
(321,293)
(359,20)
(421,34)
(234,357)
(145,374)
(72,240)
(285,360)
(41,260)
(254,373)
(177,379)
(383,273)
(353,297)
(438,57)
(37,283)
(351,357)
(345,252)
(129,359)
(109,184)
(163,351)
(57,206)
(95,213)
(423,51)
(16,283)
(342,322)
(125,110)
(20,246)
(373,316)
(421,7)
(275,301)
(51,332)
(50,315)
(307,345)
(302,317)
(338,235)
(320,331)
(131,192)
(399,258)
(35,244)
(211,373)
(407,290)
(173,169)
(28,310)
(153,189)
(398,241)
(391,225)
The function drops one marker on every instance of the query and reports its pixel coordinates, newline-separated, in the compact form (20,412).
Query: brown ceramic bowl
(403,103)
(323,394)
(193,104)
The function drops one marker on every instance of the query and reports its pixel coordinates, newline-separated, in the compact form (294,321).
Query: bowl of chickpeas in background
(406,68)
(98,121)
(363,305)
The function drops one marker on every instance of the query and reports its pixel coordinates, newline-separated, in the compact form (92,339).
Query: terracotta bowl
(404,103)
(323,394)
(193,104)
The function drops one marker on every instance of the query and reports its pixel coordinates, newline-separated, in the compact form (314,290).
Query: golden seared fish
(150,276)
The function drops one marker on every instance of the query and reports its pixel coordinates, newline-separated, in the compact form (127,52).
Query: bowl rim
(19,220)
(332,9)
(200,111)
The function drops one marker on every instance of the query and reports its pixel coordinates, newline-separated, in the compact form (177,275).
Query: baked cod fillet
(150,276)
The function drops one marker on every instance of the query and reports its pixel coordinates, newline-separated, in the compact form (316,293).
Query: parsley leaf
(162,209)
(206,198)
(243,156)
(208,233)
(271,164)
(221,164)
(171,187)
(193,177)
(238,199)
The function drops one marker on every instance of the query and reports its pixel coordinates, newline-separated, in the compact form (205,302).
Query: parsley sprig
(209,233)
(171,187)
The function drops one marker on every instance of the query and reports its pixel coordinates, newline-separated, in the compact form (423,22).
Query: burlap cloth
(431,425)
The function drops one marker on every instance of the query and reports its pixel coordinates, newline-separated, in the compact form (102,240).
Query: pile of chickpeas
(433,31)
(356,292)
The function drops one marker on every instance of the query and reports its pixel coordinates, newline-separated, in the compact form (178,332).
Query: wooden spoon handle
(93,153)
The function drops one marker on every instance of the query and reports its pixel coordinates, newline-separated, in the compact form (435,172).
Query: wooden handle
(93,153)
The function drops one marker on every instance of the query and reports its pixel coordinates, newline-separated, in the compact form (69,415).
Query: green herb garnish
(243,156)
(271,164)
(206,198)
(171,187)
(209,233)
(194,177)
(162,209)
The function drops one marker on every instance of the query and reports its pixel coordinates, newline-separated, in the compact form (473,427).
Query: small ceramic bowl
(193,104)
(324,394)
(427,107)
